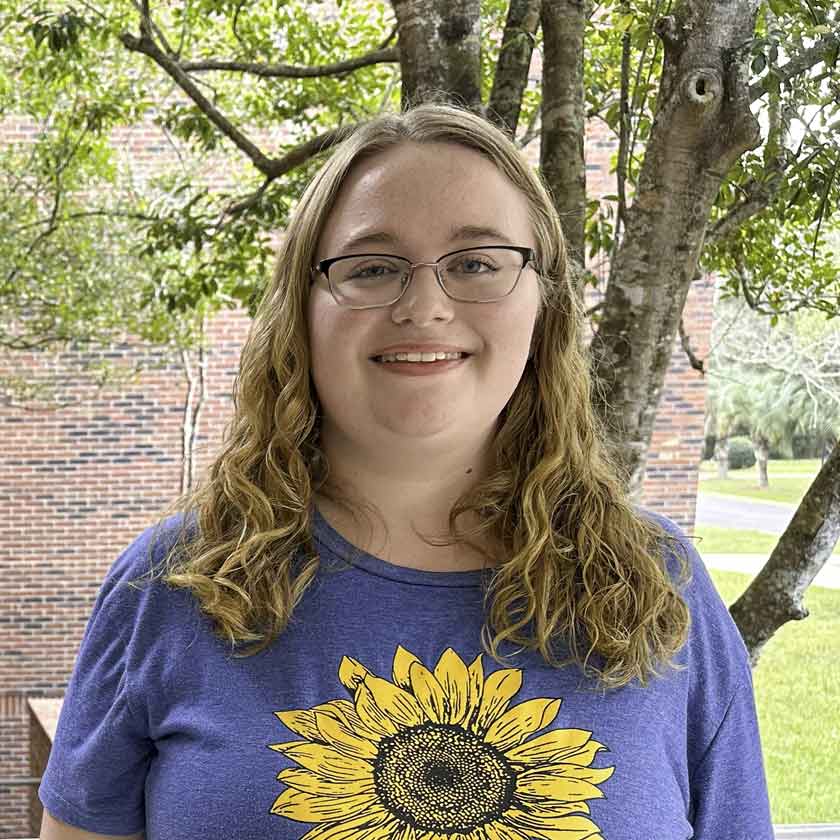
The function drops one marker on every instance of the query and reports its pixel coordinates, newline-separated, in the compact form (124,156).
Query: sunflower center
(439,777)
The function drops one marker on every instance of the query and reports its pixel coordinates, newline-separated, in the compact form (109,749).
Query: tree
(677,85)
(775,381)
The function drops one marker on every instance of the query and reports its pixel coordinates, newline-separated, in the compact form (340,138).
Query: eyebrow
(461,233)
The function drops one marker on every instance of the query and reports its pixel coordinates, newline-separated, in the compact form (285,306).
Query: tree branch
(739,214)
(623,134)
(144,44)
(798,64)
(774,596)
(118,214)
(290,71)
(696,363)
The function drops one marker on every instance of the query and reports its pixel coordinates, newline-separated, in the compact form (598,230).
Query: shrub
(740,453)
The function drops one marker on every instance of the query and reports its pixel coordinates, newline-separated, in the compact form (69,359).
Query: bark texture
(722,457)
(511,77)
(563,119)
(762,456)
(440,51)
(775,594)
(702,125)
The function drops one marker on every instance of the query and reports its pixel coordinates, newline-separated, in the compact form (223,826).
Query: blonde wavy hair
(578,565)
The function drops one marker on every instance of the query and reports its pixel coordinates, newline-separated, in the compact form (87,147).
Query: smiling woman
(507,649)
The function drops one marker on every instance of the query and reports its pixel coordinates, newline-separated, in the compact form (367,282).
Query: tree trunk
(775,594)
(511,77)
(563,117)
(440,51)
(722,457)
(762,454)
(702,126)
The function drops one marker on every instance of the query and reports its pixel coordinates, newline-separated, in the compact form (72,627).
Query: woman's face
(418,194)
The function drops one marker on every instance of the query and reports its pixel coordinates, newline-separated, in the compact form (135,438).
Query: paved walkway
(752,515)
(743,514)
(828,576)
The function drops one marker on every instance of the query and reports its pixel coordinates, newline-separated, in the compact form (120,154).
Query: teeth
(418,357)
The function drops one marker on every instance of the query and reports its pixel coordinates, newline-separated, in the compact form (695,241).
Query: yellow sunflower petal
(497,830)
(545,812)
(403,660)
(558,788)
(570,828)
(337,735)
(351,673)
(386,708)
(351,829)
(309,782)
(308,807)
(595,775)
(288,745)
(428,692)
(404,831)
(584,756)
(499,689)
(551,745)
(451,673)
(345,711)
(328,762)
(516,724)
(301,722)
(475,684)
(386,831)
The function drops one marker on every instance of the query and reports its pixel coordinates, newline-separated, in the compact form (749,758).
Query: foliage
(741,453)
(780,382)
(198,236)
(781,258)
(94,246)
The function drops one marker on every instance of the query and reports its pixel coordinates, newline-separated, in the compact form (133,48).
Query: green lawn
(729,541)
(789,490)
(797,686)
(806,466)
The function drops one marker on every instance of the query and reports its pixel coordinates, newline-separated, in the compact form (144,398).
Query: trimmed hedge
(741,453)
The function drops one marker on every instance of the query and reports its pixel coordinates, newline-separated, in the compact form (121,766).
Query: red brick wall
(78,483)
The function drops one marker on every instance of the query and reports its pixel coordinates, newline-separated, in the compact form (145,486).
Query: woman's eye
(373,271)
(471,265)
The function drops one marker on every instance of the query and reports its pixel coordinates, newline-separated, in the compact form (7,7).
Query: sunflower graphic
(437,755)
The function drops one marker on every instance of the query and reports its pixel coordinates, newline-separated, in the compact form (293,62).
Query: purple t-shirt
(375,715)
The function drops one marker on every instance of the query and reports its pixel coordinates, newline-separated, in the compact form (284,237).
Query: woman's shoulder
(714,638)
(678,547)
(147,550)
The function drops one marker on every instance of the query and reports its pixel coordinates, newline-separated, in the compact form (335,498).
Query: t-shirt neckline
(344,550)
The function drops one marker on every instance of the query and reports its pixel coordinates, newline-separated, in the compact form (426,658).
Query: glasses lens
(482,274)
(367,281)
(478,276)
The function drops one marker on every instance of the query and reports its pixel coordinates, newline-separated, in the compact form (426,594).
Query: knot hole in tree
(703,87)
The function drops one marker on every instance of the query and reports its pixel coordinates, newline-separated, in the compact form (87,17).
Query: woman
(504,649)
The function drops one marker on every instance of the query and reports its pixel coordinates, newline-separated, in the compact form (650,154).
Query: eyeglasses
(471,275)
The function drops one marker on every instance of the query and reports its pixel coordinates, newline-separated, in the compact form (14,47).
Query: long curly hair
(579,568)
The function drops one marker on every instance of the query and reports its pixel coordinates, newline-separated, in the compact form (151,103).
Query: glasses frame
(323,267)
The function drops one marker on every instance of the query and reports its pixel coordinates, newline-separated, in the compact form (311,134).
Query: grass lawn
(797,687)
(806,466)
(729,541)
(789,490)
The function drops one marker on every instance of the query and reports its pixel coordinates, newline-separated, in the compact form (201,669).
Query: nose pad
(411,286)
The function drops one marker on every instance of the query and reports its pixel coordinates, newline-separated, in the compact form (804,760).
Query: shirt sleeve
(728,797)
(729,787)
(96,772)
